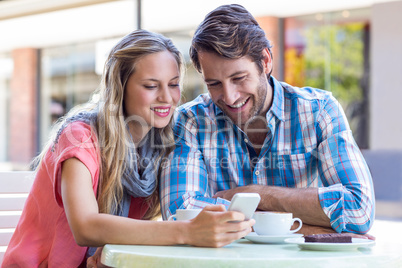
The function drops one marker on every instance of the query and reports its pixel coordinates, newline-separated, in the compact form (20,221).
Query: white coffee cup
(184,214)
(275,223)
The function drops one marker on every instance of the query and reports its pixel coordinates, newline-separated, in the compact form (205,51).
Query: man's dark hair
(232,32)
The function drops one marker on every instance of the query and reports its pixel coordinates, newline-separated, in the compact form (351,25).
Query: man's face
(237,86)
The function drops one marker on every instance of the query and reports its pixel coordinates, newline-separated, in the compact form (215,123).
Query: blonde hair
(110,126)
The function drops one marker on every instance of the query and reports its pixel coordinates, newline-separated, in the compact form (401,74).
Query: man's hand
(228,194)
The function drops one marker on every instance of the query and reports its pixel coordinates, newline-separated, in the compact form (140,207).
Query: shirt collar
(278,104)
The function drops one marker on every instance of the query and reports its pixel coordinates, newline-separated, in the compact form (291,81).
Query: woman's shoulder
(78,134)
(79,127)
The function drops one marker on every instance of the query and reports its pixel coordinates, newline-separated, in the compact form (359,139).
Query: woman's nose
(165,95)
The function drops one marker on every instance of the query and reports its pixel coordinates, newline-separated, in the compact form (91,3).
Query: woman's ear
(266,61)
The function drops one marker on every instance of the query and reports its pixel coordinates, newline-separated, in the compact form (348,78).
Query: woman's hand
(216,227)
(94,260)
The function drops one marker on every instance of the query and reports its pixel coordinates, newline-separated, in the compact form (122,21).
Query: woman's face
(152,93)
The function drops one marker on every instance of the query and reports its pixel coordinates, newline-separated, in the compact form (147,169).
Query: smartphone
(245,203)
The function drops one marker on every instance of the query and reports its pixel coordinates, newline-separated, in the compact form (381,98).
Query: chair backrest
(386,169)
(14,189)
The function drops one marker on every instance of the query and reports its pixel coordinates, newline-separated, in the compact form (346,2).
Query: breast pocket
(298,170)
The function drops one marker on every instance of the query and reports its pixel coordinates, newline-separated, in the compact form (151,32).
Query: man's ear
(266,61)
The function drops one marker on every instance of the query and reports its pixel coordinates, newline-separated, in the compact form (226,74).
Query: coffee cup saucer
(270,239)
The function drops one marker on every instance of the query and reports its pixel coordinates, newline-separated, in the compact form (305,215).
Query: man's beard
(262,90)
(257,110)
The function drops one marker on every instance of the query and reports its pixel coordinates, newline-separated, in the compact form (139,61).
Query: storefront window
(68,79)
(330,51)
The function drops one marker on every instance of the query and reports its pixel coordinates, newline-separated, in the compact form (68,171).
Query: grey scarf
(140,173)
(139,178)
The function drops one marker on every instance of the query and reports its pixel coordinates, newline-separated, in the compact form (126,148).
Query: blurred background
(52,55)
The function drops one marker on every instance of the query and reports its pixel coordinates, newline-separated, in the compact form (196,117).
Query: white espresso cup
(184,214)
(274,223)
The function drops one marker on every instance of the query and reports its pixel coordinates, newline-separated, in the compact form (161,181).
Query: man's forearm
(303,203)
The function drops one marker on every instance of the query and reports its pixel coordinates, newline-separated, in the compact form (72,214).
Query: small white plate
(356,243)
(269,239)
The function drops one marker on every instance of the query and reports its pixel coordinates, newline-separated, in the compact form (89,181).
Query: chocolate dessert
(328,238)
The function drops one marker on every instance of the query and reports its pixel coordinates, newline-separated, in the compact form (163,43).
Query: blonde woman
(97,180)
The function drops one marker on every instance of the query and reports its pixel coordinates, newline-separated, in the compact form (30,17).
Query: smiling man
(252,133)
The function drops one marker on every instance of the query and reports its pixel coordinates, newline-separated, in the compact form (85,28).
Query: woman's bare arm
(213,227)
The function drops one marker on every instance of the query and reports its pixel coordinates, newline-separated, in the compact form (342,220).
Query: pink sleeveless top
(43,237)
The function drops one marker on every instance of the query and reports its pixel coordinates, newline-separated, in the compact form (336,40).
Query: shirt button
(257,173)
(246,140)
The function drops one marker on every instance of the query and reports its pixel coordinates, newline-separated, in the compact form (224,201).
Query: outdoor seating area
(178,133)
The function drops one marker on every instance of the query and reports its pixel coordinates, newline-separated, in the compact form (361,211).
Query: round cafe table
(243,253)
(387,252)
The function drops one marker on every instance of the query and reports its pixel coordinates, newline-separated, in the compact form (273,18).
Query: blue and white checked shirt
(309,144)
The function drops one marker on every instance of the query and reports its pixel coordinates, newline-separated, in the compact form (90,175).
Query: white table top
(243,253)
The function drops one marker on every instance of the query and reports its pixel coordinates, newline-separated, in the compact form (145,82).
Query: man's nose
(230,94)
